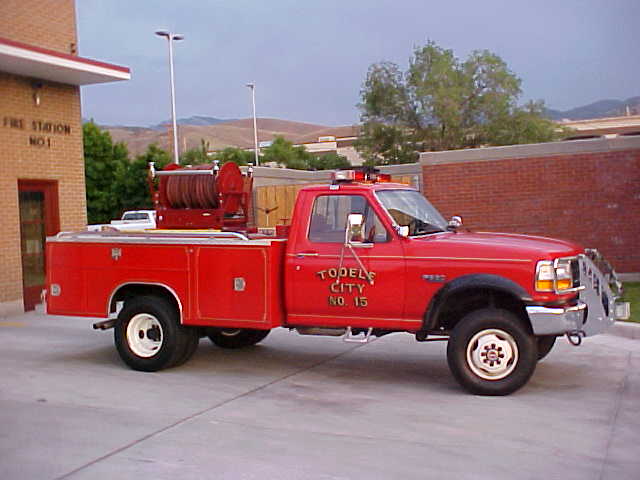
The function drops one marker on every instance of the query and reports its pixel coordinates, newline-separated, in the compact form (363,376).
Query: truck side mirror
(355,229)
(402,230)
(455,223)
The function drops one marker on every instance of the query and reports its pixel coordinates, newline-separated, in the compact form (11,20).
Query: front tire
(490,352)
(545,344)
(149,337)
(236,337)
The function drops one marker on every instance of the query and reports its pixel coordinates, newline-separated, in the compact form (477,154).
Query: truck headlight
(554,276)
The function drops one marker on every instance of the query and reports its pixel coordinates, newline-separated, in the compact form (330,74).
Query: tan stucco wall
(43,23)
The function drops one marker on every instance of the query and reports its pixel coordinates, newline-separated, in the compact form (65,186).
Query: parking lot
(299,407)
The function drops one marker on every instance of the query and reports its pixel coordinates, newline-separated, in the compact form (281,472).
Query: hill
(194,120)
(235,133)
(599,109)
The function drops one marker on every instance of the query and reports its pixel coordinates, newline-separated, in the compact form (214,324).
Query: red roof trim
(65,56)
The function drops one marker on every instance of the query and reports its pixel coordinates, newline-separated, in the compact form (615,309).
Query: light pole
(170,37)
(252,86)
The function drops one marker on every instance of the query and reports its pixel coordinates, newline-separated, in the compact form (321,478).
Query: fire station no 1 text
(40,127)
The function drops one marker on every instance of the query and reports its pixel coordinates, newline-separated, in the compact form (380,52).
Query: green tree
(236,155)
(329,161)
(443,103)
(196,156)
(382,144)
(527,125)
(131,183)
(283,152)
(102,160)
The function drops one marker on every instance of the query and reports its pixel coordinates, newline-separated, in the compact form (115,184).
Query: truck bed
(227,282)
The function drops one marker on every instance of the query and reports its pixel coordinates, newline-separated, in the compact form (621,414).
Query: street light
(252,86)
(172,36)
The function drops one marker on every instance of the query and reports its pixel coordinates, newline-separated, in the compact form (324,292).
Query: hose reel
(202,196)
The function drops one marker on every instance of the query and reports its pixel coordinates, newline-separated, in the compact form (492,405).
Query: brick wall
(61,161)
(586,191)
(43,23)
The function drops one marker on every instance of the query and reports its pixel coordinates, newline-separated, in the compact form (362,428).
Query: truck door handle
(306,254)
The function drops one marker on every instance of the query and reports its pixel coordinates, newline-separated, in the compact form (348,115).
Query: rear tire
(149,337)
(490,352)
(191,347)
(236,337)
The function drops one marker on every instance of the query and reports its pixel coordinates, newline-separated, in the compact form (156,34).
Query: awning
(41,63)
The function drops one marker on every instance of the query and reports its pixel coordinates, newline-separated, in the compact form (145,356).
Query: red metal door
(38,206)
(327,286)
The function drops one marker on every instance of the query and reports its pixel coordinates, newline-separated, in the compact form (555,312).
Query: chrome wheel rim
(492,354)
(144,335)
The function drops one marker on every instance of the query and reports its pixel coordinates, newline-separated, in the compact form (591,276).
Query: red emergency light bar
(364,175)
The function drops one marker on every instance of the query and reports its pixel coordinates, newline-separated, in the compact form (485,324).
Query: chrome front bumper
(596,309)
(557,321)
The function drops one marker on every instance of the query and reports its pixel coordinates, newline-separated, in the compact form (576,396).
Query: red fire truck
(361,258)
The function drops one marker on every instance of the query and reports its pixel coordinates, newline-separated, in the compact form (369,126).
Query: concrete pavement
(299,407)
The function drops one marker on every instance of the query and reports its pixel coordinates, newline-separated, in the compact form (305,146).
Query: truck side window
(135,216)
(329,219)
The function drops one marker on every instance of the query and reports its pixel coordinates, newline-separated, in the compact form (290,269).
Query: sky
(308,59)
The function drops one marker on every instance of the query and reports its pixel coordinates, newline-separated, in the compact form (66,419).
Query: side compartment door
(328,286)
(230,285)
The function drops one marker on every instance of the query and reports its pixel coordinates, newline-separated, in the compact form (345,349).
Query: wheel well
(459,303)
(129,291)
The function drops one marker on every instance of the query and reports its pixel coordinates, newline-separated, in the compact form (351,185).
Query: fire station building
(42,189)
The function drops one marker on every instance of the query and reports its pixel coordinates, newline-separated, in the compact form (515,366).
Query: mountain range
(228,133)
(599,109)
(221,133)
(194,120)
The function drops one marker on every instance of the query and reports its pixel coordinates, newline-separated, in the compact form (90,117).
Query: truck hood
(501,245)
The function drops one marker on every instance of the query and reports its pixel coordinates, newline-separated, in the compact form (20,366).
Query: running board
(349,337)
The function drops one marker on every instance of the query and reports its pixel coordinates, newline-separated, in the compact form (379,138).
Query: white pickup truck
(131,220)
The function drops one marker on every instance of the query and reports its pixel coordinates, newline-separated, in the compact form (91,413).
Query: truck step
(349,336)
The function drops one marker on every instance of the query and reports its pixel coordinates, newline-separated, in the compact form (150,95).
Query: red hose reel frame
(202,197)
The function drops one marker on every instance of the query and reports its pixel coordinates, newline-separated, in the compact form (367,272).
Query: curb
(625,329)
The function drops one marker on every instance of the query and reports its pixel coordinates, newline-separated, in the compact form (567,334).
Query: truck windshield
(409,208)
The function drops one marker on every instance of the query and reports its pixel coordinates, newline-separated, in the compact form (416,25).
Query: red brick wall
(589,197)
